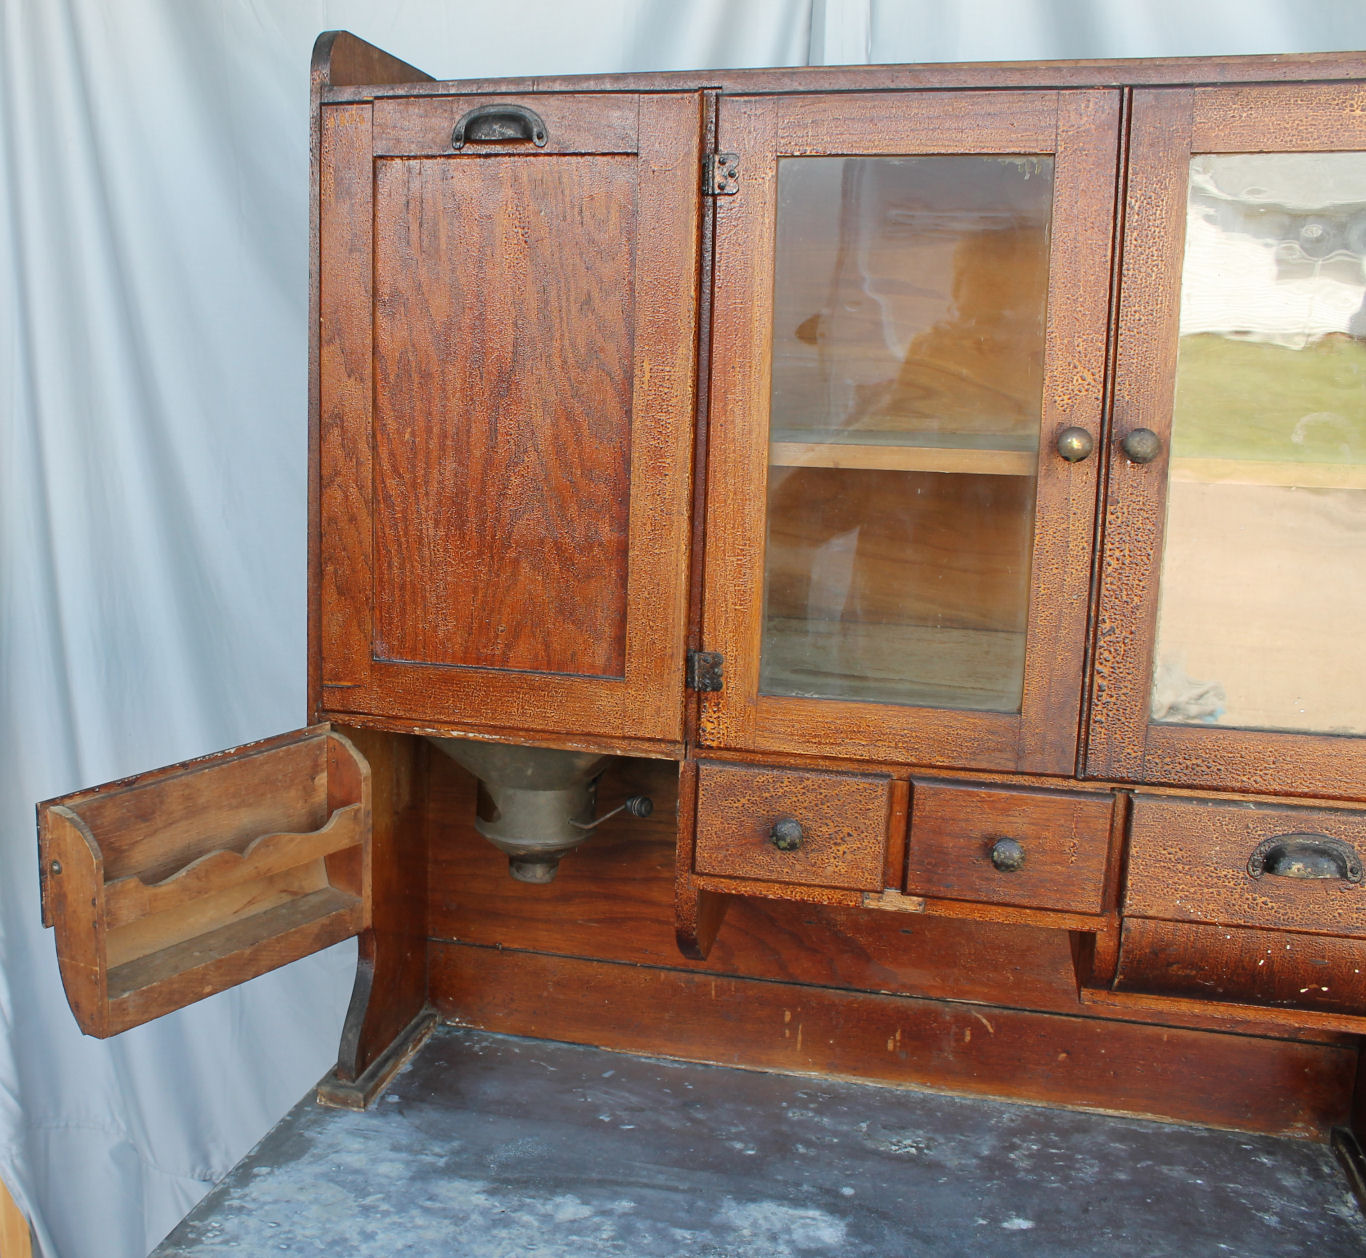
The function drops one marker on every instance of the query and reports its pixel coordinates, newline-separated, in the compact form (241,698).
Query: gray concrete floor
(489,1145)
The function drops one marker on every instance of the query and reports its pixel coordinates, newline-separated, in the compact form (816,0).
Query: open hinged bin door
(173,885)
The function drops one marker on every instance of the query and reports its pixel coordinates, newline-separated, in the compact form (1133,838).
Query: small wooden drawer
(171,886)
(1226,863)
(1031,849)
(1279,969)
(1217,907)
(834,825)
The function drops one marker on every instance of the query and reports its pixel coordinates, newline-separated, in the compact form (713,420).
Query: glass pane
(1262,596)
(908,346)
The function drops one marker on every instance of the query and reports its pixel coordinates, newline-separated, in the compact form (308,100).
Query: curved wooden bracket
(341,59)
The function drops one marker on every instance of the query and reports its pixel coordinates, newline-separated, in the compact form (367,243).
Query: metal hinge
(704,670)
(721,174)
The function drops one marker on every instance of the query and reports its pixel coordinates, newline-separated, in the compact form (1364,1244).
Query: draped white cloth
(153,291)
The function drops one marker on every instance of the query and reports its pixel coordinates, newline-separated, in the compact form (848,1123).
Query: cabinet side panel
(504,315)
(344,369)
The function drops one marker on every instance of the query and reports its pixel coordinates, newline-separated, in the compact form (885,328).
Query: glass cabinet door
(898,544)
(1248,398)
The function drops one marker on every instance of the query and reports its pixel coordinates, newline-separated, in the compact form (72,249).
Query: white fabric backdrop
(153,285)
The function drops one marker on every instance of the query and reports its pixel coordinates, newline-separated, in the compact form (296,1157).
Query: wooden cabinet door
(908,364)
(507,347)
(173,885)
(1228,652)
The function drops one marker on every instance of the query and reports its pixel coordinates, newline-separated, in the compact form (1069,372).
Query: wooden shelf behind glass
(916,665)
(1286,474)
(982,454)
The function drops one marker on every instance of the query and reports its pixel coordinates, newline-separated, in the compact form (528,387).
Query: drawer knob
(1305,856)
(1075,444)
(1008,855)
(786,834)
(1142,445)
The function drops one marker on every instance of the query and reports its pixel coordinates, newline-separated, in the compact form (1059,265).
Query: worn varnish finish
(1121,1067)
(1081,130)
(1168,127)
(546,298)
(841,824)
(505,352)
(1291,69)
(391,972)
(503,416)
(1188,861)
(1274,968)
(547,961)
(1064,839)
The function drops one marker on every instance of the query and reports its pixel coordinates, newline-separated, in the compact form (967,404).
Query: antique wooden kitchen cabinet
(941,490)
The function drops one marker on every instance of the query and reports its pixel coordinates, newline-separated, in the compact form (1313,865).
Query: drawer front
(1282,969)
(1189,861)
(1033,849)
(839,838)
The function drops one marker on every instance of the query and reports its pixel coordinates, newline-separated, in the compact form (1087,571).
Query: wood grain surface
(1082,133)
(1188,861)
(168,887)
(503,343)
(843,819)
(506,471)
(1065,837)
(391,969)
(1115,73)
(1277,968)
(343,478)
(1116,1067)
(422,128)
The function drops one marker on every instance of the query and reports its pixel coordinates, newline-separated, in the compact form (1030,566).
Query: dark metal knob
(786,834)
(1075,444)
(1142,445)
(1008,855)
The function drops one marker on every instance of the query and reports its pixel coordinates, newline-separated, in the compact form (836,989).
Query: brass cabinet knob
(1142,445)
(1008,855)
(786,834)
(1075,444)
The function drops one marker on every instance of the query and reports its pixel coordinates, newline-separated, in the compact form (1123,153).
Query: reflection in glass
(1262,593)
(908,346)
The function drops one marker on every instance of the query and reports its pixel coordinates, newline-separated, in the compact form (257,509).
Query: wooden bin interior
(175,885)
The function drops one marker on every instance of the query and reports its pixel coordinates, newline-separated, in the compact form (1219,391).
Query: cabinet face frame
(1169,126)
(1080,130)
(662,132)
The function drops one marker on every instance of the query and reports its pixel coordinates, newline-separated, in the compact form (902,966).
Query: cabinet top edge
(1130,72)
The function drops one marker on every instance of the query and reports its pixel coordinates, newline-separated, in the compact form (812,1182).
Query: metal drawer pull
(1305,856)
(786,834)
(497,124)
(1008,855)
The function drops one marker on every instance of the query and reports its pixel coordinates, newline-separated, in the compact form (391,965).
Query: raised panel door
(507,349)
